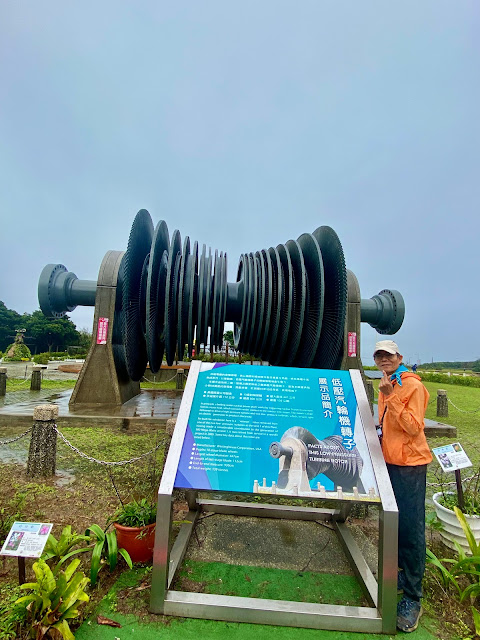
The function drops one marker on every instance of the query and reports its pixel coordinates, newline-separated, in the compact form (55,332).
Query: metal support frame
(378,617)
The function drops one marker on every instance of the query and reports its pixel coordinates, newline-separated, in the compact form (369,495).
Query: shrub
(40,358)
(467,381)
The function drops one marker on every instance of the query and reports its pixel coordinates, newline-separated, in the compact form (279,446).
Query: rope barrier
(20,384)
(462,410)
(448,484)
(106,463)
(17,438)
(164,382)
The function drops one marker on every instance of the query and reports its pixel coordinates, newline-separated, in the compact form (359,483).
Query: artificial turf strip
(272,584)
(209,575)
(192,629)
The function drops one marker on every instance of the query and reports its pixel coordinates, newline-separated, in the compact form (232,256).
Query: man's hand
(385,386)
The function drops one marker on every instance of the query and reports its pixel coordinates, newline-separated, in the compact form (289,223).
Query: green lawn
(20,384)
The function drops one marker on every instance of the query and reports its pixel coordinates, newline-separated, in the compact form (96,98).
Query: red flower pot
(138,541)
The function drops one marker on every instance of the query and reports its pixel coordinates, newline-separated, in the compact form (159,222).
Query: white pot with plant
(452,530)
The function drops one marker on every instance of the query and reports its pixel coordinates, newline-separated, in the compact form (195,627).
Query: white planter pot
(452,529)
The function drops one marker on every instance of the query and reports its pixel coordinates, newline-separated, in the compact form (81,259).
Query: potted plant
(134,523)
(446,501)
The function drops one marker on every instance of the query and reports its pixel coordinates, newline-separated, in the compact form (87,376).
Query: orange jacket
(404,442)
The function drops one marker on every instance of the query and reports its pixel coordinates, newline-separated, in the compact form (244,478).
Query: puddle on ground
(10,456)
(63,477)
(147,404)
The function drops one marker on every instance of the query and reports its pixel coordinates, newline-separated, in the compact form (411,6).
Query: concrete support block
(3,381)
(170,427)
(43,444)
(36,383)
(442,403)
(180,379)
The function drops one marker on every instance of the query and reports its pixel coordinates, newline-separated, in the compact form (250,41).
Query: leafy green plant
(40,358)
(62,549)
(466,567)
(9,618)
(136,514)
(54,600)
(471,497)
(105,551)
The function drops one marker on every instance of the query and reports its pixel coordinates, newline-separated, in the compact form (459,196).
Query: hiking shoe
(408,614)
(400,581)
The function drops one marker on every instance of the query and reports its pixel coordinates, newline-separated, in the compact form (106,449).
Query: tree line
(471,364)
(42,334)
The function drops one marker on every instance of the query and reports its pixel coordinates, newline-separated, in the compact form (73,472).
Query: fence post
(370,393)
(3,381)
(43,444)
(36,383)
(442,403)
(180,378)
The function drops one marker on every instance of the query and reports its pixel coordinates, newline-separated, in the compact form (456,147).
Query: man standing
(402,402)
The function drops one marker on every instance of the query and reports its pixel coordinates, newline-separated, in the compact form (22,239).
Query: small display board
(452,457)
(26,539)
(277,430)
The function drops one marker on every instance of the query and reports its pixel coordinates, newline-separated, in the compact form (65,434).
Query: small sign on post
(26,540)
(452,457)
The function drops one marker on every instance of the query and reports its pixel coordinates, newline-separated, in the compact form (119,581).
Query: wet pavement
(148,404)
(50,372)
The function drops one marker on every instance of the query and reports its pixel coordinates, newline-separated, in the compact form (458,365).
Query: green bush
(58,355)
(467,381)
(45,357)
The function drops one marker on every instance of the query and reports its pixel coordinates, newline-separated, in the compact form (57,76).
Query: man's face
(388,362)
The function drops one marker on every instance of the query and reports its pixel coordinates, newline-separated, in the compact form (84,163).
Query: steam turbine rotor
(288,303)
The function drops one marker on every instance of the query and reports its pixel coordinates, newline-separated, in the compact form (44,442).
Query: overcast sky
(244,125)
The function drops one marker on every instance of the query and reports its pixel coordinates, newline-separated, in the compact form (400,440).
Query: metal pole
(21,570)
(461,499)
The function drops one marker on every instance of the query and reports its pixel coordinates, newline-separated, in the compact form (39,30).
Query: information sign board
(280,430)
(452,457)
(26,539)
(102,331)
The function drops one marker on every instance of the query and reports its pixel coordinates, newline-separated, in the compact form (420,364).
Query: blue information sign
(277,430)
